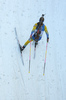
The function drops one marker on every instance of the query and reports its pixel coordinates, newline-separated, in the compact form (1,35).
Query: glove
(47,39)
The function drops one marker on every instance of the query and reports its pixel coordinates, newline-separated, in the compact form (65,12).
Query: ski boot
(21,48)
(36,43)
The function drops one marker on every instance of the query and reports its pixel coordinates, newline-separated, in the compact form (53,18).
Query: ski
(30,57)
(19,46)
(34,52)
(45,59)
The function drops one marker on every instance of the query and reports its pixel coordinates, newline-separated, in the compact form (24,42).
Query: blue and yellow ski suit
(34,30)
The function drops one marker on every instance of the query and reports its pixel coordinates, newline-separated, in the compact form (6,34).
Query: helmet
(41,18)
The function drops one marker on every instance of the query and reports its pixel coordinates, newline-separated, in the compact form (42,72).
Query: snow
(15,81)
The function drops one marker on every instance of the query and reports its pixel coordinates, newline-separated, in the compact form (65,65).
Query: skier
(36,33)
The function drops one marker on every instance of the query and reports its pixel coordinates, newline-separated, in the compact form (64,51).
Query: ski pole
(30,56)
(45,58)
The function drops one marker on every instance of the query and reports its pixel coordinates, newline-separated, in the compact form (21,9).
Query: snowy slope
(15,81)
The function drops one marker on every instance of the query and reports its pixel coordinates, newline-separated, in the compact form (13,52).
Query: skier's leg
(36,41)
(26,43)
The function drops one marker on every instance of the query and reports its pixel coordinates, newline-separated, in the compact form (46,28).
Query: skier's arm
(34,28)
(47,34)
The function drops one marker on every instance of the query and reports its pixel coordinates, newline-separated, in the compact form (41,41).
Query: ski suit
(33,34)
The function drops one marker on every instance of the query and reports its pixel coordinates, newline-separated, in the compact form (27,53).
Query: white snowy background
(15,81)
